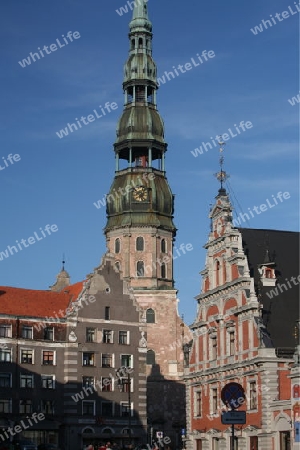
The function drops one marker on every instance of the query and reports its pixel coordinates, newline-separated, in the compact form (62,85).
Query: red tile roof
(31,303)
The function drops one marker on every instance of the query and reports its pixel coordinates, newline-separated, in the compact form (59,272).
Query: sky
(56,181)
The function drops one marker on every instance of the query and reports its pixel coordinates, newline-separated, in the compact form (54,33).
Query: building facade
(78,356)
(247,310)
(102,360)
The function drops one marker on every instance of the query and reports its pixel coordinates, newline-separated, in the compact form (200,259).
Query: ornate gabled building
(243,333)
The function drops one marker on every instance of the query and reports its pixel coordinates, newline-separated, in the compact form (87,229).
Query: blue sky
(57,180)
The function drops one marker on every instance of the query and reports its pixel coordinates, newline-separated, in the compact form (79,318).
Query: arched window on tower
(150,315)
(140,94)
(150,359)
(163,246)
(140,42)
(150,96)
(132,44)
(140,269)
(117,245)
(217,273)
(163,270)
(140,244)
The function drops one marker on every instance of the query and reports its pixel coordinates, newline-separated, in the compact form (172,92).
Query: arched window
(268,273)
(217,273)
(140,244)
(118,266)
(163,246)
(132,44)
(150,359)
(117,245)
(140,42)
(140,269)
(163,270)
(150,315)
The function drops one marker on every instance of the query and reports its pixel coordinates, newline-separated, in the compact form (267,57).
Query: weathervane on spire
(221,176)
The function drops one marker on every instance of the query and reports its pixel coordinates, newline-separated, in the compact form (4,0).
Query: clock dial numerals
(140,194)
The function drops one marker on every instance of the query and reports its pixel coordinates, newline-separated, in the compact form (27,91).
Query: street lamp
(123,381)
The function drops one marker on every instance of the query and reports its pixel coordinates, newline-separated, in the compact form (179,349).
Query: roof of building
(33,303)
(281,306)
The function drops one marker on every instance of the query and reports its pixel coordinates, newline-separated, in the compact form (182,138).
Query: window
(26,381)
(49,334)
(140,244)
(27,356)
(253,443)
(125,409)
(5,355)
(285,440)
(107,313)
(150,316)
(47,407)
(214,401)
(140,269)
(5,406)
(25,406)
(214,347)
(48,381)
(124,384)
(107,409)
(150,359)
(126,361)
(88,359)
(90,334)
(231,338)
(198,403)
(107,336)
(163,246)
(163,270)
(123,337)
(253,395)
(88,382)
(106,360)
(117,245)
(88,408)
(27,332)
(216,444)
(48,358)
(107,384)
(5,331)
(5,380)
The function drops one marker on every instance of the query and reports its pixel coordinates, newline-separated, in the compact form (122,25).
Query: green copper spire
(140,18)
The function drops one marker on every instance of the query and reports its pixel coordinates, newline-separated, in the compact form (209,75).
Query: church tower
(140,231)
(140,228)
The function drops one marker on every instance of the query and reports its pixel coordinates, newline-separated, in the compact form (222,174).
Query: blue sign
(183,431)
(297,431)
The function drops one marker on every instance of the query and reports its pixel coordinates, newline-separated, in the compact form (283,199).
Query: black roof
(281,307)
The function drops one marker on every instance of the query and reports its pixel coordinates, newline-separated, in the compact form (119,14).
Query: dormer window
(267,274)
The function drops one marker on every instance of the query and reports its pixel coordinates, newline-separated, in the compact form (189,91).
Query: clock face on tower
(140,194)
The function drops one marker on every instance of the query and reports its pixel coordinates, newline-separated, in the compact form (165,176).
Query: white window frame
(28,327)
(252,381)
(131,360)
(131,408)
(50,329)
(196,392)
(53,380)
(8,327)
(127,338)
(23,349)
(94,360)
(54,358)
(111,336)
(211,400)
(25,376)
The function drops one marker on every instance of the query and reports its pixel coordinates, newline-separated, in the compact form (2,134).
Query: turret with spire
(140,201)
(62,279)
